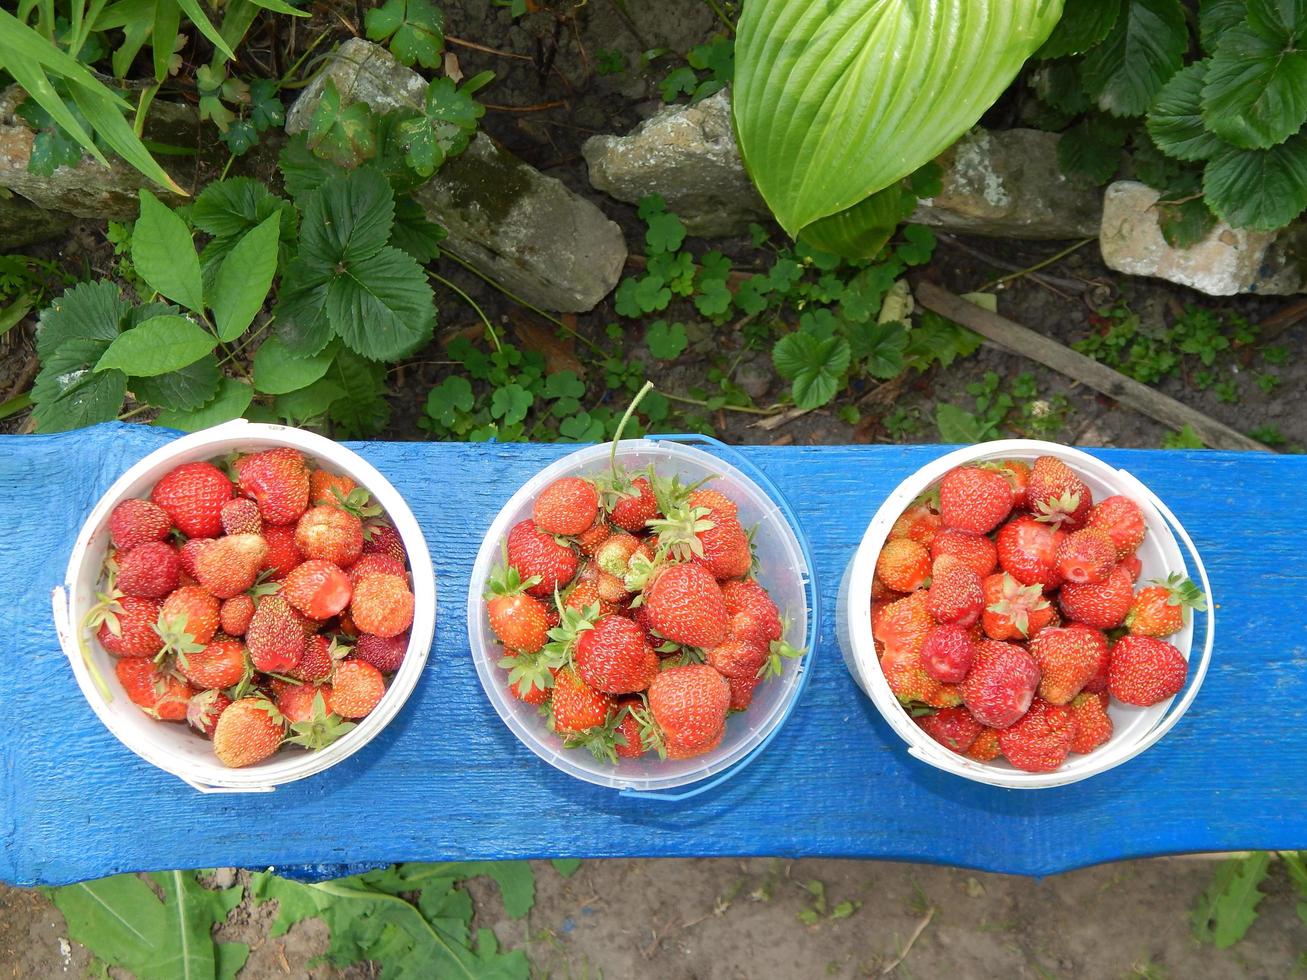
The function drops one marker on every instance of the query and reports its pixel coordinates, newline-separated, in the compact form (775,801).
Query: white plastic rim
(1134,729)
(781,569)
(174,748)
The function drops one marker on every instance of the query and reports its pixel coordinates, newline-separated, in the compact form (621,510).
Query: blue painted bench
(447,780)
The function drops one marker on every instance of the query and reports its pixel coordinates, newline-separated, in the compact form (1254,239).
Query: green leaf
(446,126)
(348,218)
(713,298)
(415,29)
(511,403)
(566,866)
(164,255)
(1229,906)
(159,345)
(231,401)
(1286,18)
(882,349)
(231,207)
(1175,122)
(88,311)
(815,368)
(362,411)
(302,171)
(958,426)
(244,279)
(382,306)
(1185,223)
(184,390)
(277,371)
(1215,17)
(835,101)
(266,110)
(581,428)
(447,399)
(1259,189)
(300,317)
(52,147)
(859,232)
(564,384)
(1143,50)
(918,245)
(665,233)
(69,394)
(679,81)
(345,136)
(1084,23)
(309,402)
(1255,93)
(414,233)
(666,341)
(516,884)
(1092,148)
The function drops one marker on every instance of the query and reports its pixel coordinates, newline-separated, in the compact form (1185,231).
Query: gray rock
(754,375)
(523,229)
(22,222)
(1228,261)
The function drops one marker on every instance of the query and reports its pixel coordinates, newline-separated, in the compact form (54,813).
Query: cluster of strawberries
(630,617)
(262,602)
(969,637)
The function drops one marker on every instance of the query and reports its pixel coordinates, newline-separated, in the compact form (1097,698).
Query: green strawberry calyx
(1019,602)
(602,741)
(1183,591)
(321,729)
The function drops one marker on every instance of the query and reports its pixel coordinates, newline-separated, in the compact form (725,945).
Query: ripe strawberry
(1158,610)
(234,614)
(536,554)
(975,550)
(1017,474)
(525,691)
(953,728)
(1055,495)
(204,709)
(316,663)
(568,505)
(684,603)
(985,748)
(1122,520)
(903,565)
(956,595)
(317,588)
(331,534)
(220,664)
(741,659)
(382,604)
(283,553)
(517,618)
(627,743)
(1133,565)
(1103,605)
(947,654)
(909,682)
(575,705)
(1001,684)
(1145,670)
(228,566)
(1093,726)
(746,597)
(278,480)
(328,489)
(190,613)
(589,540)
(240,515)
(688,705)
(136,521)
(381,538)
(902,625)
(632,506)
(375,562)
(249,731)
(1041,740)
(742,689)
(614,657)
(584,594)
(128,628)
(295,701)
(149,570)
(159,693)
(716,502)
(1086,556)
(356,688)
(276,636)
(386,653)
(727,552)
(918,523)
(974,499)
(1068,658)
(1027,550)
(193,495)
(1013,611)
(615,553)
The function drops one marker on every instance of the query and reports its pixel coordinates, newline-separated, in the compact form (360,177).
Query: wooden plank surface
(447,780)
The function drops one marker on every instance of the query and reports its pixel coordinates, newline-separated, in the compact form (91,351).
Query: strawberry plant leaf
(69,394)
(277,371)
(348,218)
(1229,906)
(1215,17)
(345,136)
(52,147)
(1258,189)
(1185,223)
(310,402)
(880,347)
(88,311)
(300,317)
(363,410)
(229,208)
(1144,48)
(958,426)
(382,306)
(164,255)
(1255,92)
(185,389)
(566,866)
(446,125)
(1083,25)
(1175,122)
(815,368)
(244,278)
(301,170)
(414,28)
(1092,148)
(231,401)
(157,346)
(414,233)
(666,341)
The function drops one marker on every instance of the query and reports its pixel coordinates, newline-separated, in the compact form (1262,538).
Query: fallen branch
(916,934)
(1026,342)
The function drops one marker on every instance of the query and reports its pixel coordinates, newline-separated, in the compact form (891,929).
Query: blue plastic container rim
(814,617)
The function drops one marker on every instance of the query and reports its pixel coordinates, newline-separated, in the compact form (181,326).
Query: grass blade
(201,20)
(29,75)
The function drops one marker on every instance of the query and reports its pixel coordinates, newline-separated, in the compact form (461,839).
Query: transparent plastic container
(175,748)
(784,569)
(1134,728)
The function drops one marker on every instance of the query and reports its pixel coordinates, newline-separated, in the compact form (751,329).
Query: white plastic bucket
(784,569)
(176,748)
(1134,729)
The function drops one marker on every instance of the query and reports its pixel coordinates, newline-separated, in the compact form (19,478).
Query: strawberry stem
(617,436)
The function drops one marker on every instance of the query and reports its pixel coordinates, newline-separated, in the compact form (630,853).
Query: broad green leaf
(1229,906)
(70,394)
(510,403)
(1175,122)
(1287,18)
(1143,50)
(88,311)
(309,402)
(447,399)
(881,349)
(815,368)
(415,29)
(52,147)
(446,125)
(1259,189)
(363,411)
(1092,148)
(1255,92)
(244,278)
(665,233)
(414,232)
(183,390)
(345,136)
(278,371)
(958,426)
(566,866)
(231,401)
(713,298)
(301,171)
(859,232)
(1186,222)
(157,346)
(666,341)
(835,101)
(348,218)
(1084,23)
(300,316)
(164,255)
(1058,84)
(230,207)
(382,306)
(1215,17)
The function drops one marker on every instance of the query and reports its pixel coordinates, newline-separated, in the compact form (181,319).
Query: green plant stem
(15,405)
(134,412)
(231,158)
(284,81)
(1074,247)
(494,337)
(721,15)
(729,408)
(626,417)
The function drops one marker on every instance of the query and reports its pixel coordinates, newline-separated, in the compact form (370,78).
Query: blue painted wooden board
(447,781)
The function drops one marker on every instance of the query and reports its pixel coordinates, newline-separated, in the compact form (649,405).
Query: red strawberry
(614,657)
(1133,565)
(235,614)
(1103,605)
(382,604)
(1122,520)
(329,489)
(739,659)
(135,521)
(356,688)
(568,505)
(375,562)
(901,626)
(747,597)
(1027,550)
(974,499)
(956,595)
(716,502)
(953,728)
(909,682)
(518,620)
(204,709)
(1093,726)
(1001,684)
(742,689)
(589,540)
(975,550)
(585,594)
(1145,670)
(903,565)
(525,691)
(615,553)
(248,731)
(278,480)
(380,538)
(228,566)
(1055,495)
(149,570)
(535,554)
(315,663)
(1017,474)
(1158,610)
(627,744)
(985,748)
(190,613)
(1013,611)
(276,636)
(918,523)
(726,549)
(160,694)
(295,701)
(1086,556)
(283,553)
(1041,740)
(317,588)
(1068,657)
(633,505)
(688,705)
(240,515)
(220,664)
(127,629)
(385,653)
(947,654)
(331,534)
(684,603)
(575,705)
(193,495)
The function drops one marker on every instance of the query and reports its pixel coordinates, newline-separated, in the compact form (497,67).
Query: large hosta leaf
(838,99)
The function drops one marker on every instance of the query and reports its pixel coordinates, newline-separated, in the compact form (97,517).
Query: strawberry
(134,521)
(727,552)
(149,570)
(611,589)
(127,627)
(1041,740)
(688,706)
(615,553)
(985,748)
(1017,474)
(973,499)
(234,614)
(740,659)
(589,540)
(1103,605)
(536,555)
(331,534)
(193,495)
(295,701)
(385,653)
(956,595)
(1093,726)
(283,553)
(947,654)
(909,682)
(315,663)
(380,538)
(568,505)
(1056,496)
(903,565)
(742,689)
(975,550)
(220,664)
(631,507)
(575,705)
(1145,670)
(1027,550)
(1086,556)
(1013,611)
(278,480)
(1158,610)
(918,523)
(523,690)
(716,503)
(375,562)
(248,731)
(228,566)
(1133,565)
(382,604)
(584,594)
(317,588)
(240,515)
(1001,684)
(356,688)
(684,604)
(1122,520)
(902,625)
(189,615)
(276,636)
(953,728)
(1068,658)
(204,709)
(329,489)
(627,744)
(614,657)
(746,597)
(160,694)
